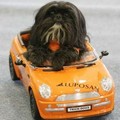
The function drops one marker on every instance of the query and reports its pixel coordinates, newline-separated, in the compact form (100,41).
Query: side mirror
(19,61)
(103,53)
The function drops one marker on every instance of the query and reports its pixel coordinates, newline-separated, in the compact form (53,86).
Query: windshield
(88,57)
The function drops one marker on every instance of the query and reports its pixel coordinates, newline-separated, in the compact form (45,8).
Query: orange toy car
(82,89)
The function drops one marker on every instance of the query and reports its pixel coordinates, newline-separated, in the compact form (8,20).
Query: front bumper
(58,110)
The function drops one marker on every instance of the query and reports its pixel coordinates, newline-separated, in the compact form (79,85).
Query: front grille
(78,96)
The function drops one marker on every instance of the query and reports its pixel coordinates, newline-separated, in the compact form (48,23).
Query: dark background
(103,26)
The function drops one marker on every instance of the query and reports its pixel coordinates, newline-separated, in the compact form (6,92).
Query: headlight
(106,84)
(45,91)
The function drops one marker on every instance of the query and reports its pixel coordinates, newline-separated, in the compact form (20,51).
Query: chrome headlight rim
(45,91)
(106,84)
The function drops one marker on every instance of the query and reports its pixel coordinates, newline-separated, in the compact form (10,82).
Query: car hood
(71,80)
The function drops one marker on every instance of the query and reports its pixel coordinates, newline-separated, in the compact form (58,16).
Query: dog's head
(60,21)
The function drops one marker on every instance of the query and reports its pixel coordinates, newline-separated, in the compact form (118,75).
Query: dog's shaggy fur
(60,22)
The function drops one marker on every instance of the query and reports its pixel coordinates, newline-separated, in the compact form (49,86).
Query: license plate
(79,108)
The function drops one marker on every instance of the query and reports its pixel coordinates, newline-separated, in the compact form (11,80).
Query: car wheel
(12,70)
(34,109)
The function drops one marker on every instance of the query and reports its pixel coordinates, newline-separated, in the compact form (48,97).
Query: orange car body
(78,91)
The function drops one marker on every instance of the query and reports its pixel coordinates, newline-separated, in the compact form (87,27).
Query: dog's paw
(63,57)
(58,62)
(37,55)
(36,59)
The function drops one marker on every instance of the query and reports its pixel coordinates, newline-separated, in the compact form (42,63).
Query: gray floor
(103,25)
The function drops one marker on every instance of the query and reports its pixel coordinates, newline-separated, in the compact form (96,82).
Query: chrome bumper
(61,107)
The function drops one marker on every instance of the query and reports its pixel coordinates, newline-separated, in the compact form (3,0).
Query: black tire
(34,108)
(12,70)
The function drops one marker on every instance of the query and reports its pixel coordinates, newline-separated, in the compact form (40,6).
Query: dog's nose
(58,17)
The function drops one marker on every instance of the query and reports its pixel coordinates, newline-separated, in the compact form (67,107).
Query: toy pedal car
(80,90)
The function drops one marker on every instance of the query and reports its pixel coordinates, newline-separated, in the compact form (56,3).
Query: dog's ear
(81,28)
(40,14)
(80,22)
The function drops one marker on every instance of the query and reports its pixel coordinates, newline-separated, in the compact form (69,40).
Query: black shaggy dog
(60,22)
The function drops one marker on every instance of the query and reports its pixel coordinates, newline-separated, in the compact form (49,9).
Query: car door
(24,70)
